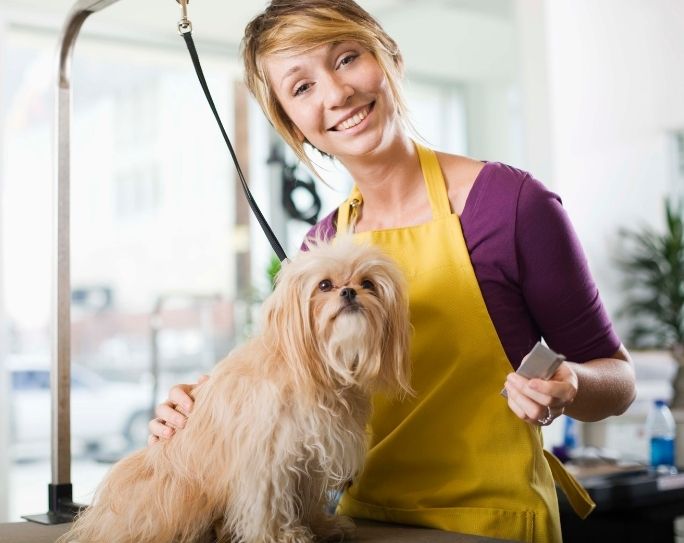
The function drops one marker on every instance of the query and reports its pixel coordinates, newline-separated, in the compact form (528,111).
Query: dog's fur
(281,421)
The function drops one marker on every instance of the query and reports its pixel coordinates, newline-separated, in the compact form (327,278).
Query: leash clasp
(184,25)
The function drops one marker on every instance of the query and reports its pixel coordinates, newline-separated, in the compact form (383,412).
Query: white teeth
(354,120)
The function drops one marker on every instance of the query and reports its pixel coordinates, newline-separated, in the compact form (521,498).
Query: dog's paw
(335,528)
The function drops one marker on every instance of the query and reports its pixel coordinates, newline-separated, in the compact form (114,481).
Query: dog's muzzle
(348,294)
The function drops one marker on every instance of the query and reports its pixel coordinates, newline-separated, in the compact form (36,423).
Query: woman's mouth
(355,119)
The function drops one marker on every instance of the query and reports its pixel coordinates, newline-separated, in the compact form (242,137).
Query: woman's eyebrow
(289,72)
(330,48)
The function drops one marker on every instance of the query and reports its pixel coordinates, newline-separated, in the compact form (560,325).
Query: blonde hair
(300,25)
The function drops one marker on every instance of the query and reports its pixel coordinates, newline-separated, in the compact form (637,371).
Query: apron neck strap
(434,182)
(348,212)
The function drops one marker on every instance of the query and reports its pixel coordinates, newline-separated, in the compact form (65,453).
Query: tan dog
(281,421)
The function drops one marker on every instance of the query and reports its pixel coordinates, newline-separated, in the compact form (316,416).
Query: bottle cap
(660,403)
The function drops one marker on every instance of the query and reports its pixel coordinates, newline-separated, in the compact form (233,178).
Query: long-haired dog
(280,423)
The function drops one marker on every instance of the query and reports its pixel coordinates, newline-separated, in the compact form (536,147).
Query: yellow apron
(454,457)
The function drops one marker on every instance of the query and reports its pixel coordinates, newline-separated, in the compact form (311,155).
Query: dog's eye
(325,285)
(367,283)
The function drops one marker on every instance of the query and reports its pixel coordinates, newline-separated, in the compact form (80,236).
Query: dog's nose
(348,294)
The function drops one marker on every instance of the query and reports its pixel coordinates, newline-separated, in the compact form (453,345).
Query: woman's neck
(389,177)
(392,185)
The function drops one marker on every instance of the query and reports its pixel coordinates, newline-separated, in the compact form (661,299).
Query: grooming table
(29,532)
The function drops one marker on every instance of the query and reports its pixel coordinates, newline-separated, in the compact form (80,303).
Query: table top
(368,532)
(616,489)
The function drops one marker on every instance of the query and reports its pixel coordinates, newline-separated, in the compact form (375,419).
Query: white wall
(495,122)
(450,43)
(472,51)
(615,91)
(533,85)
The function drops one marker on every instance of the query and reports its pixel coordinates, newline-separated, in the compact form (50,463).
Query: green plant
(272,270)
(653,267)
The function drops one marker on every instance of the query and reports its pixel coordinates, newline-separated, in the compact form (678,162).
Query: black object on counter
(637,506)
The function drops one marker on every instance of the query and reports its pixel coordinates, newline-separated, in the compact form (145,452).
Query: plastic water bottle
(564,451)
(660,427)
(570,435)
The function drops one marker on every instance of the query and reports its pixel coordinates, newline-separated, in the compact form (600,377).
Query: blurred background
(168,267)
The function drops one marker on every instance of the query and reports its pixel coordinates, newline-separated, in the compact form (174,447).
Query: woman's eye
(367,283)
(302,89)
(348,59)
(325,285)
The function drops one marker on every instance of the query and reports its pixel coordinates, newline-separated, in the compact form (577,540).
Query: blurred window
(152,214)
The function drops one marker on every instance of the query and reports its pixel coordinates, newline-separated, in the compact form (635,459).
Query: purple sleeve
(555,280)
(323,230)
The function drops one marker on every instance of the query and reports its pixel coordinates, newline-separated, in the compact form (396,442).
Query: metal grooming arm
(61,507)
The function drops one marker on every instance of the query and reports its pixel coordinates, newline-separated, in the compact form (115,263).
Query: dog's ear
(395,372)
(287,326)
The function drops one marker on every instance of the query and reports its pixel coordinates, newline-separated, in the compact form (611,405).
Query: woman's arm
(564,303)
(607,387)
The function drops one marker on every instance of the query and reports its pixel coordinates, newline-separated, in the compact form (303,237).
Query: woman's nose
(338,92)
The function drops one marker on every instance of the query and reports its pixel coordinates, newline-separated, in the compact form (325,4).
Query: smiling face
(337,97)
(291,32)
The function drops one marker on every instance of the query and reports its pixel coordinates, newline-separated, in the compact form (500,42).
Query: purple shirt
(530,266)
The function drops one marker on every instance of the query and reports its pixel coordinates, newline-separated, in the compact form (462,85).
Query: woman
(493,266)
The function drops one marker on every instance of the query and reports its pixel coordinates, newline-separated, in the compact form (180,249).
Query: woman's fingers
(559,390)
(523,406)
(179,398)
(173,413)
(170,415)
(159,430)
(526,388)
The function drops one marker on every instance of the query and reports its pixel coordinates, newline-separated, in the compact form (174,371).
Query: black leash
(185,30)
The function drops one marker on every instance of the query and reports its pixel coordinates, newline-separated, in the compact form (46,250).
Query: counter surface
(29,532)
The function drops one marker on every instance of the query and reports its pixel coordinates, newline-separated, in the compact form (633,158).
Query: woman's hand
(173,413)
(539,402)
